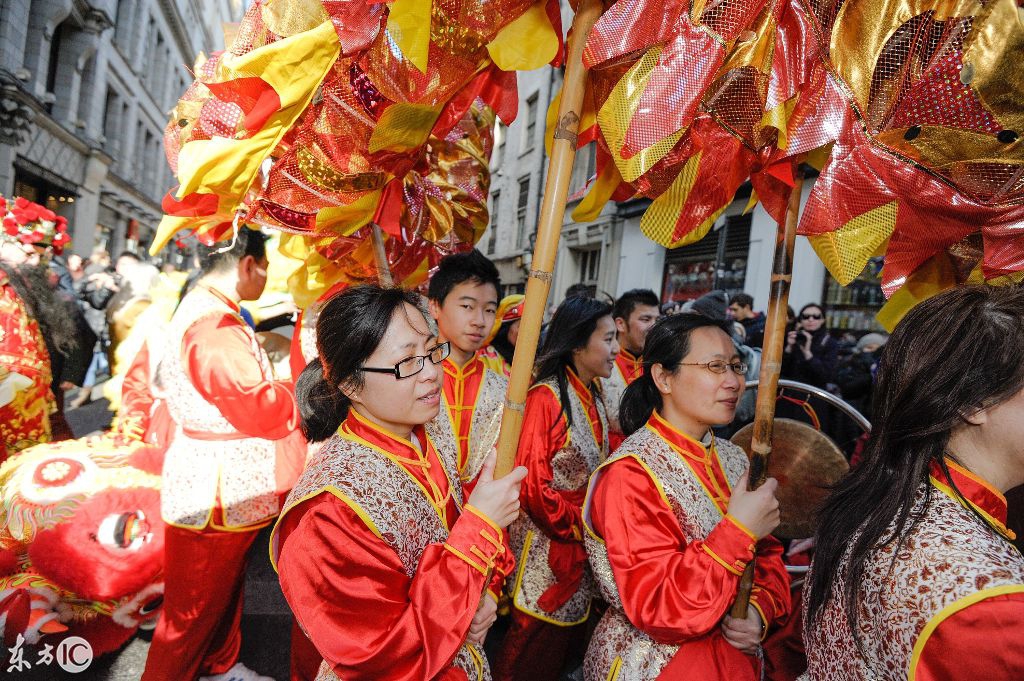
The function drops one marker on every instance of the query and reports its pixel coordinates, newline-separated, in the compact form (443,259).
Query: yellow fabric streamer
(294,67)
(593,203)
(403,127)
(312,274)
(527,43)
(846,251)
(934,276)
(409,27)
(618,112)
(662,216)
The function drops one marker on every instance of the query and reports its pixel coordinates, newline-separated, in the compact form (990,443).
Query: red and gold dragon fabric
(912,110)
(325,117)
(81,545)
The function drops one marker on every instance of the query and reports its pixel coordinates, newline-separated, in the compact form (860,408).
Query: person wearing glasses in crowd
(670,524)
(564,439)
(811,356)
(383,561)
(463,300)
(811,353)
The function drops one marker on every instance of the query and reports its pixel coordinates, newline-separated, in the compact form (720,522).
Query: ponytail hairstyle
(668,343)
(348,330)
(570,329)
(952,355)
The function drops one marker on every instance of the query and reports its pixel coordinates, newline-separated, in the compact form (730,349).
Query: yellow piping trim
(948,491)
(459,376)
(356,508)
(577,387)
(483,516)
(764,620)
(616,667)
(519,583)
(721,561)
(481,569)
(981,481)
(949,611)
(735,521)
(240,528)
(477,662)
(686,460)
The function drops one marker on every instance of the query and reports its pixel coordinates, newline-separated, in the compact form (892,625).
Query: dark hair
(46,306)
(628,301)
(929,378)
(743,300)
(219,257)
(668,342)
(457,268)
(809,306)
(129,254)
(348,330)
(578,290)
(502,344)
(188,285)
(570,329)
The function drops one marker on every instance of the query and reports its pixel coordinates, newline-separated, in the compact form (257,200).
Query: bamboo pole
(380,256)
(771,367)
(556,191)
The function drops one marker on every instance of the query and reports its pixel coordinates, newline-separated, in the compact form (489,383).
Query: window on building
(718,261)
(583,168)
(589,263)
(52,66)
(500,133)
(111,123)
(524,200)
(492,239)
(148,162)
(531,123)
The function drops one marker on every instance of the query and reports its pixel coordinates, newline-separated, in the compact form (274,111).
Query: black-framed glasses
(718,366)
(410,366)
(811,316)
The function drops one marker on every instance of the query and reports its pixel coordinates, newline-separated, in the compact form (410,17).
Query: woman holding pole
(914,573)
(564,439)
(671,525)
(388,572)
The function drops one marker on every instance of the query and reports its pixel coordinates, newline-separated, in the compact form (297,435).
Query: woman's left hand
(745,635)
(485,616)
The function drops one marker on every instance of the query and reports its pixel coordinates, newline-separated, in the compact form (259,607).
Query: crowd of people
(615,548)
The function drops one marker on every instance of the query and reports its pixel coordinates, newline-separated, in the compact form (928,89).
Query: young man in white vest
(463,299)
(236,450)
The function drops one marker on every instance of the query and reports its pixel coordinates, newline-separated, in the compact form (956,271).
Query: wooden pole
(556,191)
(380,256)
(771,367)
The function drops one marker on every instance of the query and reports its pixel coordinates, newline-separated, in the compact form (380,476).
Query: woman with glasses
(564,439)
(384,564)
(671,525)
(811,353)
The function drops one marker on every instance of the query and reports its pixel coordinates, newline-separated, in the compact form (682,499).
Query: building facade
(85,91)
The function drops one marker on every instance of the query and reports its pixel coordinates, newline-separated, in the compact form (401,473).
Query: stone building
(85,91)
